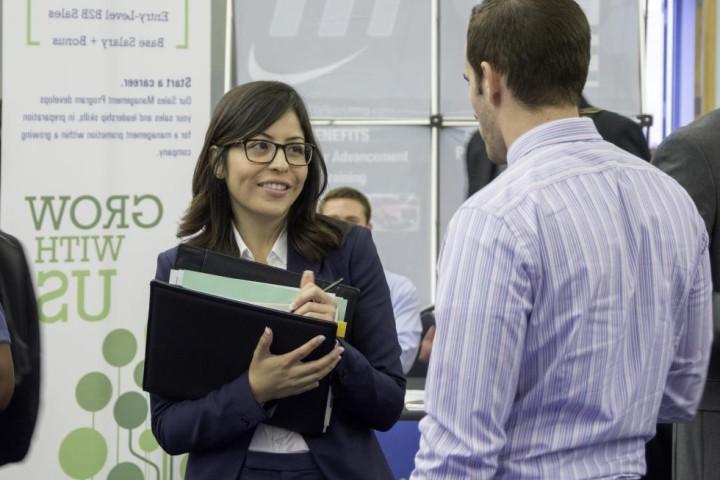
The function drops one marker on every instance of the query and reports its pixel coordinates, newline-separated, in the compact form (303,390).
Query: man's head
(524,56)
(348,205)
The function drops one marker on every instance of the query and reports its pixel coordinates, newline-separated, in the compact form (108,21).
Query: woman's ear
(216,162)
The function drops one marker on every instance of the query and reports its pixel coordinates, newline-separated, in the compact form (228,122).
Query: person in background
(7,369)
(19,351)
(352,206)
(255,189)
(691,155)
(573,304)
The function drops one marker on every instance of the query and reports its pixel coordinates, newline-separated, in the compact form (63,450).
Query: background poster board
(104,111)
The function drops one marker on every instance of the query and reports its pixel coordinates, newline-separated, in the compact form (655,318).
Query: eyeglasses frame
(278,146)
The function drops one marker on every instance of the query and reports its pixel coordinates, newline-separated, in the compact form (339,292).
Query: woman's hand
(312,301)
(279,376)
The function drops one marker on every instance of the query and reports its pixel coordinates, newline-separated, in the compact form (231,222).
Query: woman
(255,189)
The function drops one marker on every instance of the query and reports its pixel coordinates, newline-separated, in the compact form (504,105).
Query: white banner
(104,111)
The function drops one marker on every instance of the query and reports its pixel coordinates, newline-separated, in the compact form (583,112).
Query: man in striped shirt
(573,304)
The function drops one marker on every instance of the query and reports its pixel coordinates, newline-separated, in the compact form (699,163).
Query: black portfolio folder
(198,342)
(207,261)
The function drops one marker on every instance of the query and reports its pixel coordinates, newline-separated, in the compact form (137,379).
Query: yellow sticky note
(341,327)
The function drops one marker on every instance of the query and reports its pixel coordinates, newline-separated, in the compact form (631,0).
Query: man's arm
(686,378)
(683,159)
(484,300)
(406,308)
(7,376)
(7,371)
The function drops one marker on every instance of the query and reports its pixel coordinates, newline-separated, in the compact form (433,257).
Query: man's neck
(518,120)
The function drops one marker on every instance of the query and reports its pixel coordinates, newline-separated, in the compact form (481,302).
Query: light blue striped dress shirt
(573,311)
(406,309)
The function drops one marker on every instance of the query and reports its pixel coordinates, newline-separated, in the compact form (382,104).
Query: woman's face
(265,192)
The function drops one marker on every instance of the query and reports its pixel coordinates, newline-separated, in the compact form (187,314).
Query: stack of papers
(415,400)
(268,295)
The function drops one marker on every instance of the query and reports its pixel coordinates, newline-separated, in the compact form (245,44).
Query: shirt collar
(278,255)
(565,130)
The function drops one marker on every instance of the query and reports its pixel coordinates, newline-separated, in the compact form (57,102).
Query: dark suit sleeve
(623,132)
(368,382)
(687,163)
(209,422)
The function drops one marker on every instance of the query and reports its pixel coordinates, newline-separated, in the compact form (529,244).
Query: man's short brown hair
(350,194)
(541,46)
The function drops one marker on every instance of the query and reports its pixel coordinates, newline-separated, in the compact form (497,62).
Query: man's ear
(492,83)
(216,162)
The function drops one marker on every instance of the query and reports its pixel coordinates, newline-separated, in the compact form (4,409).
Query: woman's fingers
(303,350)
(322,366)
(308,278)
(312,293)
(287,374)
(317,310)
(312,380)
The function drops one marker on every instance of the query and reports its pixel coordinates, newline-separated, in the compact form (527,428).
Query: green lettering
(73,212)
(51,248)
(68,242)
(44,298)
(47,204)
(120,210)
(108,245)
(137,215)
(81,276)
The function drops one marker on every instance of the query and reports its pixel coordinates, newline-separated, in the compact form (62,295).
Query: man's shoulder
(705,125)
(701,133)
(9,246)
(8,241)
(402,289)
(525,184)
(398,280)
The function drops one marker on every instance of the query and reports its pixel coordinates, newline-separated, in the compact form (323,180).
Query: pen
(326,289)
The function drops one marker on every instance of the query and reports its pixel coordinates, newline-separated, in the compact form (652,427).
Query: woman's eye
(259,146)
(297,150)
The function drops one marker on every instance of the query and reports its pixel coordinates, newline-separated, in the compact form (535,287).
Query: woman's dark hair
(542,46)
(242,112)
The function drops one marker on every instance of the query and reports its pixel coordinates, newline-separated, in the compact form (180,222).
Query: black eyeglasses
(259,150)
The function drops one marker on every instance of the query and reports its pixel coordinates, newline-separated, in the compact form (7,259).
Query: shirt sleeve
(686,378)
(4,333)
(484,299)
(406,309)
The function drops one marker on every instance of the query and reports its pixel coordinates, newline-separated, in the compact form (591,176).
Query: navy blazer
(368,385)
